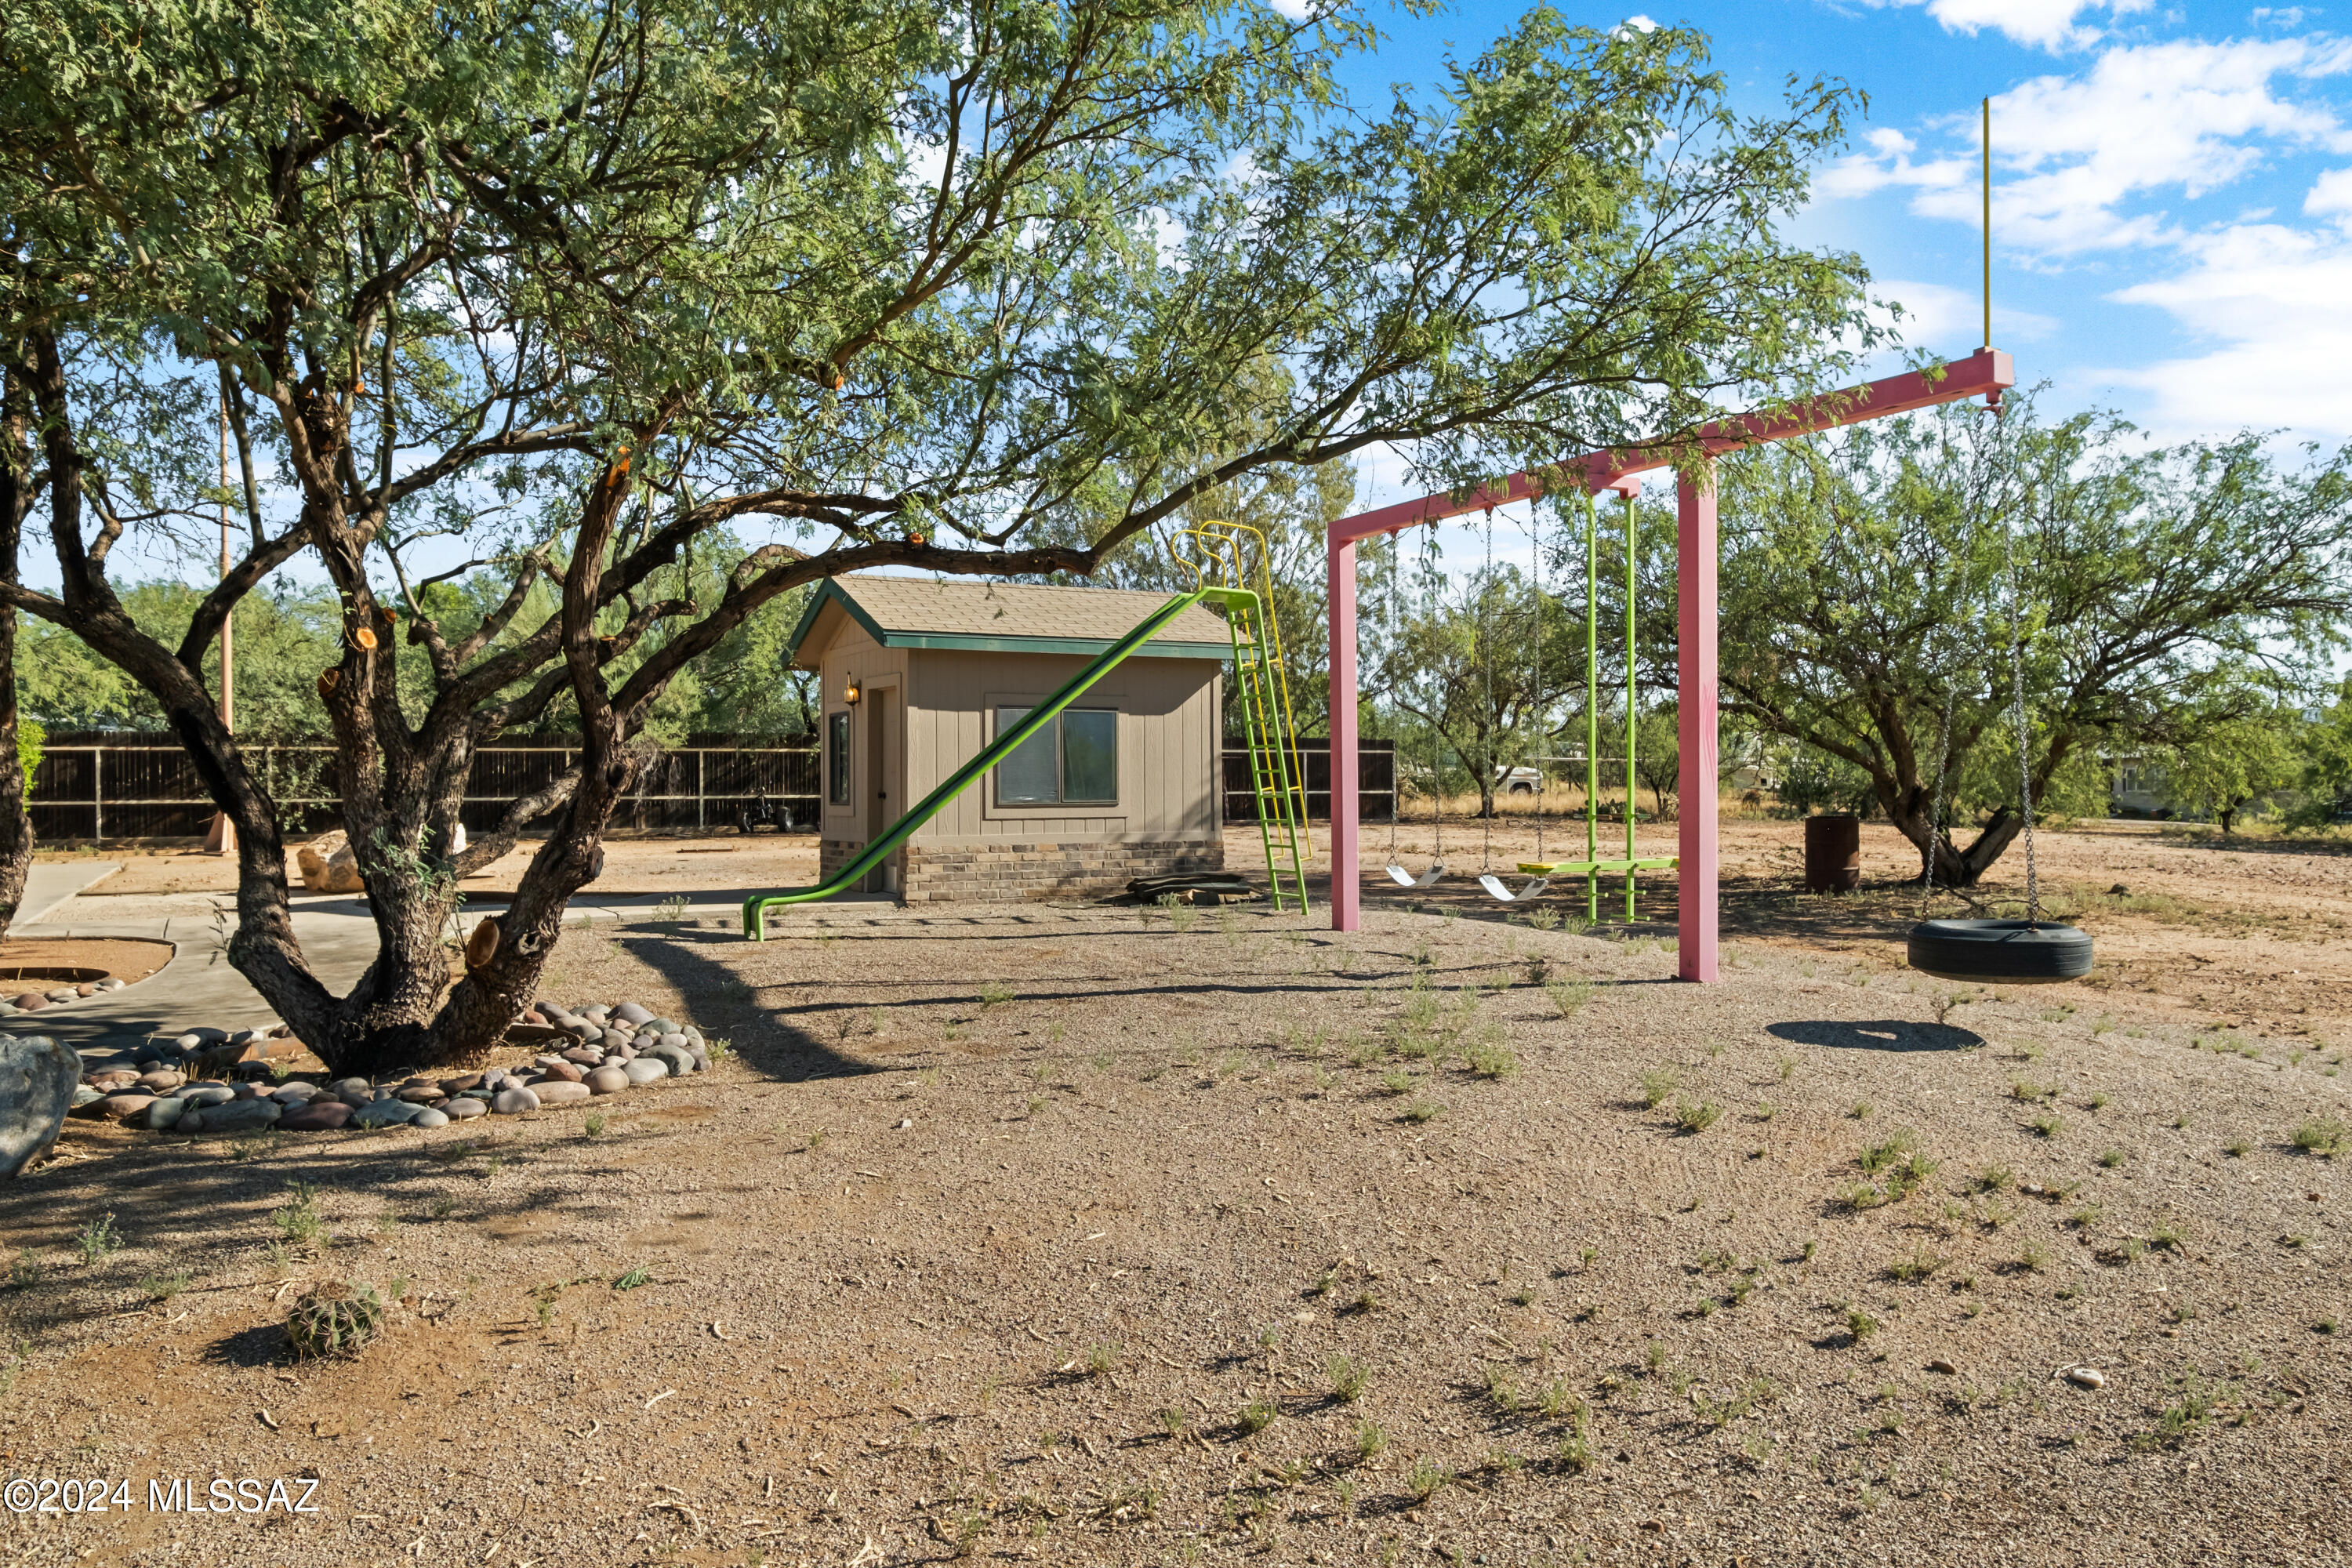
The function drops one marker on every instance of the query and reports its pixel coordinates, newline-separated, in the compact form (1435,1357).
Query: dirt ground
(2245,931)
(128,959)
(1075,1234)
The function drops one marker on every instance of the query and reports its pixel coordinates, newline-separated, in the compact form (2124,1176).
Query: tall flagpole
(1988,223)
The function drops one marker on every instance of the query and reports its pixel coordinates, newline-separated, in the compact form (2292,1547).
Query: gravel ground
(1066,1236)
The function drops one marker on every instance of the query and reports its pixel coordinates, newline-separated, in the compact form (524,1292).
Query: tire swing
(2031,952)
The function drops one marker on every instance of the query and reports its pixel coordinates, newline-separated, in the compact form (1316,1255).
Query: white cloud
(1949,321)
(2277,301)
(2190,116)
(2331,193)
(2041,24)
(2045,23)
(1889,162)
(1297,10)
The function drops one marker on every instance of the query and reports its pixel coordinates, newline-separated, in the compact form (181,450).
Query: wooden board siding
(1169,731)
(855,655)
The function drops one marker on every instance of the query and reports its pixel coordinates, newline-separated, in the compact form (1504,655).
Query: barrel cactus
(334,1318)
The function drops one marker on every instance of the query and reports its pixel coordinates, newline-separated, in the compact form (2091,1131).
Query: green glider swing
(1593,868)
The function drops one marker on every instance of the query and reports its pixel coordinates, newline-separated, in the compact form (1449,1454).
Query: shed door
(883,807)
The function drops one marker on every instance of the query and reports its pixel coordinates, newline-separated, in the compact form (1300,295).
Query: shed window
(1072,761)
(836,758)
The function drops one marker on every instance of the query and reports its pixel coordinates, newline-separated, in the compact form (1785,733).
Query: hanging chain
(1436,751)
(1494,719)
(1935,804)
(1535,541)
(1396,624)
(2017,716)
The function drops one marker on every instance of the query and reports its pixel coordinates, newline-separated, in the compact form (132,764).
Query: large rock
(559,1091)
(646,1069)
(607,1080)
(680,1060)
(233,1116)
(38,1079)
(514,1100)
(328,864)
(320,1116)
(384,1113)
(119,1106)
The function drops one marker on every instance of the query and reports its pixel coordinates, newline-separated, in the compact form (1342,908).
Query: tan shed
(918,676)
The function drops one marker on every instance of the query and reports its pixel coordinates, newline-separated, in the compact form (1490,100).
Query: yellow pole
(1988,222)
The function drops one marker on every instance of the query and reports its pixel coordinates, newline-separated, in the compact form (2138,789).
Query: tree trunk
(15,825)
(1954,866)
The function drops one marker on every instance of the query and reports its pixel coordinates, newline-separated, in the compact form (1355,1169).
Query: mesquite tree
(563,295)
(18,495)
(1871,580)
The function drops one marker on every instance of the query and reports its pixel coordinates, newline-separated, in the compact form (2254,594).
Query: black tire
(2014,953)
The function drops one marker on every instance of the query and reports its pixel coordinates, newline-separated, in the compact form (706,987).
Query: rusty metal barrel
(1832,853)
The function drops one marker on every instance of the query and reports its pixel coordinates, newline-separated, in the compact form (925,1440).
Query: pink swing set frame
(1984,373)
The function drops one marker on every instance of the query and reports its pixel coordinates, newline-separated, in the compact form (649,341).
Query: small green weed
(1695,1118)
(2326,1136)
(1568,996)
(98,1240)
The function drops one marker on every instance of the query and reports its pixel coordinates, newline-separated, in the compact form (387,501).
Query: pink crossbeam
(1986,373)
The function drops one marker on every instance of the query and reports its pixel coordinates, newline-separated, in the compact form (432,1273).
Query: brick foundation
(1018,873)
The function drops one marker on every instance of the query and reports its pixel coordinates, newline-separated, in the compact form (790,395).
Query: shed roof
(1003,617)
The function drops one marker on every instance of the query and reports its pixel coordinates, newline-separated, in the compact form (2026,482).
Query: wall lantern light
(849,692)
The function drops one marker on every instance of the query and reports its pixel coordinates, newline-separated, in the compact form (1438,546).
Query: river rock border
(58,996)
(616,1048)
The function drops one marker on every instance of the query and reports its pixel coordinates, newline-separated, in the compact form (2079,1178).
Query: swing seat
(1494,884)
(1404,878)
(2013,953)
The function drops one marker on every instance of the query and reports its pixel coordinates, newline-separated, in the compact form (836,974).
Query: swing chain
(1494,718)
(1936,803)
(2017,716)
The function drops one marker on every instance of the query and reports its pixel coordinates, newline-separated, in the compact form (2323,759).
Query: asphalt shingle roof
(920,611)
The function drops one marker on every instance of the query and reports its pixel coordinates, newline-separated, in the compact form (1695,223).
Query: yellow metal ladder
(1262,692)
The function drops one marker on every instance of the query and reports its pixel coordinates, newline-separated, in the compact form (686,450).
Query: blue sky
(2172,197)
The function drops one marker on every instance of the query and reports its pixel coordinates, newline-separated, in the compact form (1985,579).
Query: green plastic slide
(755,908)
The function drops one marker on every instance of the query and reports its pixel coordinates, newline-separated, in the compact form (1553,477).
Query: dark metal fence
(106,786)
(116,785)
(1375,779)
